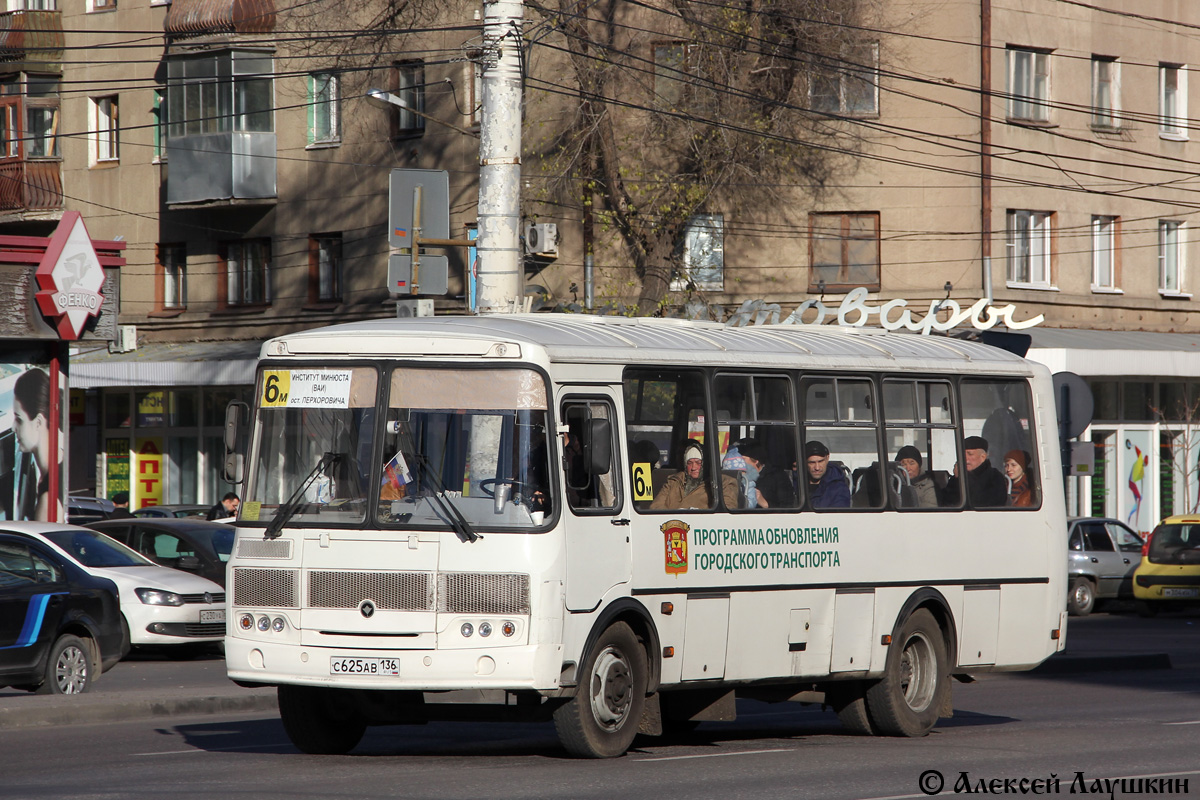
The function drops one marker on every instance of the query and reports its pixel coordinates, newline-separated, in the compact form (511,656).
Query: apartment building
(1035,154)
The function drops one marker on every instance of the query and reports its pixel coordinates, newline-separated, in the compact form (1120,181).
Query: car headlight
(158,597)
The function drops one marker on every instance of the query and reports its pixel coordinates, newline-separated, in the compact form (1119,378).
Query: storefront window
(116,410)
(151,409)
(183,409)
(1105,397)
(1138,395)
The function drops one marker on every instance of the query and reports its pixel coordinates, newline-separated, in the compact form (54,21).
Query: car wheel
(1082,598)
(1146,608)
(603,717)
(909,698)
(68,668)
(319,721)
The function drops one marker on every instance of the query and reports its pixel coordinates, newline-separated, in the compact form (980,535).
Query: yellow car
(1170,568)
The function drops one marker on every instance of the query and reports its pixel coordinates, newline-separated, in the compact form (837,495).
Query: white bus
(614,523)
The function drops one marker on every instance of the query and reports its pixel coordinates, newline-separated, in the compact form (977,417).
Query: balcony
(229,166)
(31,41)
(31,186)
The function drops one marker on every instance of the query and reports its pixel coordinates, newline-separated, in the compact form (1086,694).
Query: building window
(849,86)
(1172,101)
(409,85)
(324,109)
(246,272)
(670,75)
(843,251)
(172,269)
(10,117)
(1105,92)
(1028,85)
(41,116)
(1170,256)
(159,123)
(702,256)
(104,128)
(325,268)
(1104,253)
(1029,248)
(101,5)
(231,90)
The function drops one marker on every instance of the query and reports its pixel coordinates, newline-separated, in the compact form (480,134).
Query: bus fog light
(264,624)
(278,624)
(485,629)
(508,628)
(467,629)
(246,622)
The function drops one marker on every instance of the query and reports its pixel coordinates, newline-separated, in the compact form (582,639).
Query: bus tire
(317,723)
(602,718)
(848,699)
(907,701)
(1082,598)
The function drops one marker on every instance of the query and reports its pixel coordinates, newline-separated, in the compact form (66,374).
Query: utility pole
(500,279)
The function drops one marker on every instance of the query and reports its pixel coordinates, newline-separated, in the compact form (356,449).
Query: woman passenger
(1016,462)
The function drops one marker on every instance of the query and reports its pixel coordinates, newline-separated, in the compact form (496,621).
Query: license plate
(343,665)
(1181,592)
(213,616)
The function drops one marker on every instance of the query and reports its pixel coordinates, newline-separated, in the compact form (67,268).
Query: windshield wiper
(288,509)
(454,516)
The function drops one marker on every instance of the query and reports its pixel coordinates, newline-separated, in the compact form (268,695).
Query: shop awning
(186,364)
(1092,353)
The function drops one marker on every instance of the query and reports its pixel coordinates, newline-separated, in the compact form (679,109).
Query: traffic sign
(433,274)
(435,205)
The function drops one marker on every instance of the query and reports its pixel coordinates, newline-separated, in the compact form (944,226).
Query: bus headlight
(278,624)
(485,629)
(467,629)
(264,624)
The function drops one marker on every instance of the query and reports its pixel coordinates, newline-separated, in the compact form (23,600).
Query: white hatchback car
(160,606)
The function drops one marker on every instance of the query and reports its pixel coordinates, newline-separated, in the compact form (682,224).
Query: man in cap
(689,489)
(985,485)
(826,488)
(922,483)
(120,502)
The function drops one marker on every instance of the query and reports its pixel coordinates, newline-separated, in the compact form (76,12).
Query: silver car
(1103,555)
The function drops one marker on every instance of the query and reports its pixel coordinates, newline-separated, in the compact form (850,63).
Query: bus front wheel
(603,717)
(317,723)
(908,700)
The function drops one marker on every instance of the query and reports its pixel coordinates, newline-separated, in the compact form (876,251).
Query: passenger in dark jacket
(986,486)
(826,488)
(772,487)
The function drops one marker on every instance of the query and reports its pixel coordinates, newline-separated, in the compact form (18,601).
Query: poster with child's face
(25,458)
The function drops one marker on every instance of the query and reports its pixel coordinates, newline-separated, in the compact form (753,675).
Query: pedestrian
(120,502)
(228,507)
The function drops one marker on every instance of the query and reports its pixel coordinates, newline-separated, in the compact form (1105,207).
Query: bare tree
(1183,426)
(683,107)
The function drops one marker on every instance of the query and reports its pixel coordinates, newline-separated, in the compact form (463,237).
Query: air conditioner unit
(541,239)
(125,339)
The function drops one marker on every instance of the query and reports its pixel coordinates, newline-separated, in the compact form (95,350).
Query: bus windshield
(457,448)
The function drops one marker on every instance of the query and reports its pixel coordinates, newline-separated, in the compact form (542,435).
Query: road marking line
(213,749)
(1189,722)
(718,755)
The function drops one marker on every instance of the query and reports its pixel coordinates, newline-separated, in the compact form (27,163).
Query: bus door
(597,534)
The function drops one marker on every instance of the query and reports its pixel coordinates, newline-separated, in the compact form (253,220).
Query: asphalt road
(1123,701)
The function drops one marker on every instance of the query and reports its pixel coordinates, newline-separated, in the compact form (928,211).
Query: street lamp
(387,98)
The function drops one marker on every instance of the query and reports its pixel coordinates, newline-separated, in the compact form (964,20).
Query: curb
(1068,665)
(115,708)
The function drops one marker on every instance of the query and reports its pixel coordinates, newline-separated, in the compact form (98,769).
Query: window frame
(1175,244)
(690,250)
(1029,103)
(48,103)
(840,76)
(234,282)
(1172,123)
(1106,117)
(408,84)
(329,96)
(1044,280)
(843,285)
(164,266)
(104,130)
(337,272)
(1106,238)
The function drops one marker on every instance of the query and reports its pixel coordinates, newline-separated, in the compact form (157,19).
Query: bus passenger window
(999,451)
(664,411)
(841,466)
(756,430)
(921,440)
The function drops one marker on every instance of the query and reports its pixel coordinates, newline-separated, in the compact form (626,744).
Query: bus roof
(642,340)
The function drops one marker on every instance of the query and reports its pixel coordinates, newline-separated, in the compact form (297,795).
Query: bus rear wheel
(908,700)
(603,717)
(318,722)
(849,700)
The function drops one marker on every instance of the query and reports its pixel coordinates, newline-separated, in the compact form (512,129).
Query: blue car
(60,627)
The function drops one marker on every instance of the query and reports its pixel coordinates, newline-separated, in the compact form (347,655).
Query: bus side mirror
(597,446)
(237,415)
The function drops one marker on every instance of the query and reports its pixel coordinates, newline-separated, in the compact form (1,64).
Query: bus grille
(483,593)
(269,588)
(395,591)
(264,548)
